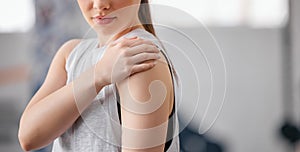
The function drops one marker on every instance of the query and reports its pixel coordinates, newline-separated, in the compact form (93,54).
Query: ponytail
(145,17)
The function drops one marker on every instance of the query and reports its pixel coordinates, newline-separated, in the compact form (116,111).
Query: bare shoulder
(68,47)
(154,89)
(139,84)
(56,76)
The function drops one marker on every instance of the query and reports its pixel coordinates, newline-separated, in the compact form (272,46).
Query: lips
(102,20)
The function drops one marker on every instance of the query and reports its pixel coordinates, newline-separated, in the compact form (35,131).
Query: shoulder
(68,47)
(57,68)
(141,85)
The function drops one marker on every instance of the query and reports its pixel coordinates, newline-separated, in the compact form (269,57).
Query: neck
(104,39)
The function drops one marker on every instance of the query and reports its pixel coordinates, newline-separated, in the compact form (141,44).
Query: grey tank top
(98,129)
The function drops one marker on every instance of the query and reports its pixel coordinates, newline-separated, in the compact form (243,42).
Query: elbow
(31,139)
(27,140)
(23,137)
(26,147)
(24,143)
(27,136)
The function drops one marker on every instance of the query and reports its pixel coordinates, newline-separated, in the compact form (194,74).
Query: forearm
(54,114)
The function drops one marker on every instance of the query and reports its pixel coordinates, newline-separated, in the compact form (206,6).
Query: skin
(138,88)
(53,109)
(125,11)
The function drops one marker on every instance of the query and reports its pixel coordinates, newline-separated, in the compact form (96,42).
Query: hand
(124,58)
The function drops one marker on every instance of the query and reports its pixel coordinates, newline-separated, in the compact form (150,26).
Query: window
(16,15)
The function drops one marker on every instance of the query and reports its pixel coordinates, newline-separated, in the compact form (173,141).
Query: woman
(76,107)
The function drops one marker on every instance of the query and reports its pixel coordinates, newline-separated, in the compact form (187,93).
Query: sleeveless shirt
(99,127)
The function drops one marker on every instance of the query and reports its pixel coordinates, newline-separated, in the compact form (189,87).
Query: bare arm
(56,106)
(147,100)
(53,110)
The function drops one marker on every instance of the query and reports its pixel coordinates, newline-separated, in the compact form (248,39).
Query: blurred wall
(15,95)
(252,113)
(296,57)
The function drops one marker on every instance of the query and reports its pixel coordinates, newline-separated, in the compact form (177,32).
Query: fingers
(142,57)
(142,67)
(139,41)
(142,48)
(132,41)
(140,54)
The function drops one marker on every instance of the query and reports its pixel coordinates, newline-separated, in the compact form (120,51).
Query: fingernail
(133,37)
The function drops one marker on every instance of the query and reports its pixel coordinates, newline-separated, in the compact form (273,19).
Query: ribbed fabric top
(98,128)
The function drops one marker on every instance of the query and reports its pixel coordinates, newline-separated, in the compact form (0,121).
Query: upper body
(64,99)
(100,122)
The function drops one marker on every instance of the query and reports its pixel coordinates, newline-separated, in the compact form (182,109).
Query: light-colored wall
(13,97)
(296,57)
(252,113)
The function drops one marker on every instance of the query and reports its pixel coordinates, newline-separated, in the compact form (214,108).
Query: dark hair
(145,17)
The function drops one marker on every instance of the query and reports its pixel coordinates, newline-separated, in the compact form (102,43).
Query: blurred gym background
(259,41)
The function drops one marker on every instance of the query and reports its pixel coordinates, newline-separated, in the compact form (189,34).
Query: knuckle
(154,48)
(149,42)
(151,48)
(144,56)
(147,47)
(128,69)
(123,42)
(126,52)
(145,66)
(126,62)
(123,52)
(119,45)
(125,69)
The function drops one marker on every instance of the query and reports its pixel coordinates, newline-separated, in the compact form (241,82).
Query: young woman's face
(110,16)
